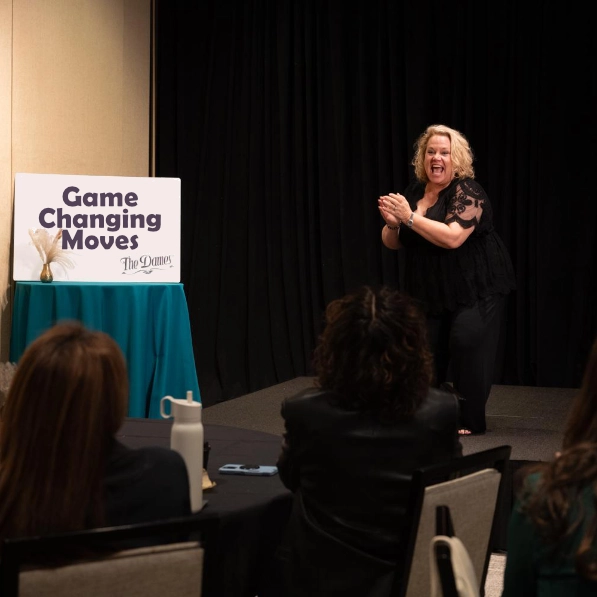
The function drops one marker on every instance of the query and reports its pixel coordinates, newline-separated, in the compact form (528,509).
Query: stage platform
(529,419)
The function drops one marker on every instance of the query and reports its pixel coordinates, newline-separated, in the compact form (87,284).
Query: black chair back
(64,548)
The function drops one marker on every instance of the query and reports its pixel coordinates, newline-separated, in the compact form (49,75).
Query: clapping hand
(394,208)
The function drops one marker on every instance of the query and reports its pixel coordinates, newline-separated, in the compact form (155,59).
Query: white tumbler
(186,438)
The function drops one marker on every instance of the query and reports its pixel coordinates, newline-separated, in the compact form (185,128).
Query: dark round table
(252,510)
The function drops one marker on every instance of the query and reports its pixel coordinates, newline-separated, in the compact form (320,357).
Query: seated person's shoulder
(137,462)
(527,481)
(306,399)
(439,402)
(162,455)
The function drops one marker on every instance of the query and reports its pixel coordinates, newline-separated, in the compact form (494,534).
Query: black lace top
(481,266)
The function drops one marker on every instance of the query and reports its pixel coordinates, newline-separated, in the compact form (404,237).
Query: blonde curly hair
(461,152)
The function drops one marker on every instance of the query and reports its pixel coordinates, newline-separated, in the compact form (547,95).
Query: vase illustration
(46,273)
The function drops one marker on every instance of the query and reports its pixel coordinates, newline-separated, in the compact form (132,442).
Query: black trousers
(464,343)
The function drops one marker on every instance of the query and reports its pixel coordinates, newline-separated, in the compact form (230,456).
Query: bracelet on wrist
(392,227)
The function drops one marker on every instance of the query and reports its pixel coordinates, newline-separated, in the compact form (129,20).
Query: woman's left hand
(396,205)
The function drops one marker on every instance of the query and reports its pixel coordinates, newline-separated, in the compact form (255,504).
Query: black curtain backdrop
(286,119)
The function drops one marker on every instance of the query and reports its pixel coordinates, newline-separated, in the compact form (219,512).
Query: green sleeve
(520,578)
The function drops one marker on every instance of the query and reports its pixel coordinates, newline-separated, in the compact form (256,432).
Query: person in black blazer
(351,443)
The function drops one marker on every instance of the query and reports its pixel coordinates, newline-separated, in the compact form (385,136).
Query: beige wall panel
(5,172)
(74,97)
(81,86)
(136,83)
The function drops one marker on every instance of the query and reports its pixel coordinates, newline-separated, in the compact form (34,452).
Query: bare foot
(464,431)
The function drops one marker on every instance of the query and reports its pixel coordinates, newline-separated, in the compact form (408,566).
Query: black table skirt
(252,510)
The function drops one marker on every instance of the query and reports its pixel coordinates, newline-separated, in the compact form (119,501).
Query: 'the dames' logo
(145,264)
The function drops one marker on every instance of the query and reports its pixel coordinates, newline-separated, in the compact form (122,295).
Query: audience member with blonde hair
(552,536)
(61,467)
(456,264)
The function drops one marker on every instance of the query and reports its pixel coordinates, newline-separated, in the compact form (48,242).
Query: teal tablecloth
(150,322)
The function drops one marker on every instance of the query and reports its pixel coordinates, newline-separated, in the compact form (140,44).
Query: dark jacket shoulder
(145,484)
(436,405)
(439,404)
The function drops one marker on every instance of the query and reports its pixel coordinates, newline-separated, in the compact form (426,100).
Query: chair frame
(497,458)
(20,551)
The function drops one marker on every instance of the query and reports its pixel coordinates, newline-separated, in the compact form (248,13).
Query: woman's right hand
(389,217)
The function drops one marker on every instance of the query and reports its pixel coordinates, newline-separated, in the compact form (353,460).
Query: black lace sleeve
(466,203)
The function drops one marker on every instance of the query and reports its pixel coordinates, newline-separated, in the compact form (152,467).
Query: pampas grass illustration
(49,248)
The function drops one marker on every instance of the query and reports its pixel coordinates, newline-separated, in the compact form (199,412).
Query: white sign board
(102,228)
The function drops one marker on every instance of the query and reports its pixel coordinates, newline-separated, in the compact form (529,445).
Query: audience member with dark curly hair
(552,536)
(352,442)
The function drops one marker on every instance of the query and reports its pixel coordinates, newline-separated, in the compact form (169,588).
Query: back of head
(373,353)
(582,420)
(67,399)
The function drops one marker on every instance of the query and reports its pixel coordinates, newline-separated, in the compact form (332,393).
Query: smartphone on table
(258,470)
